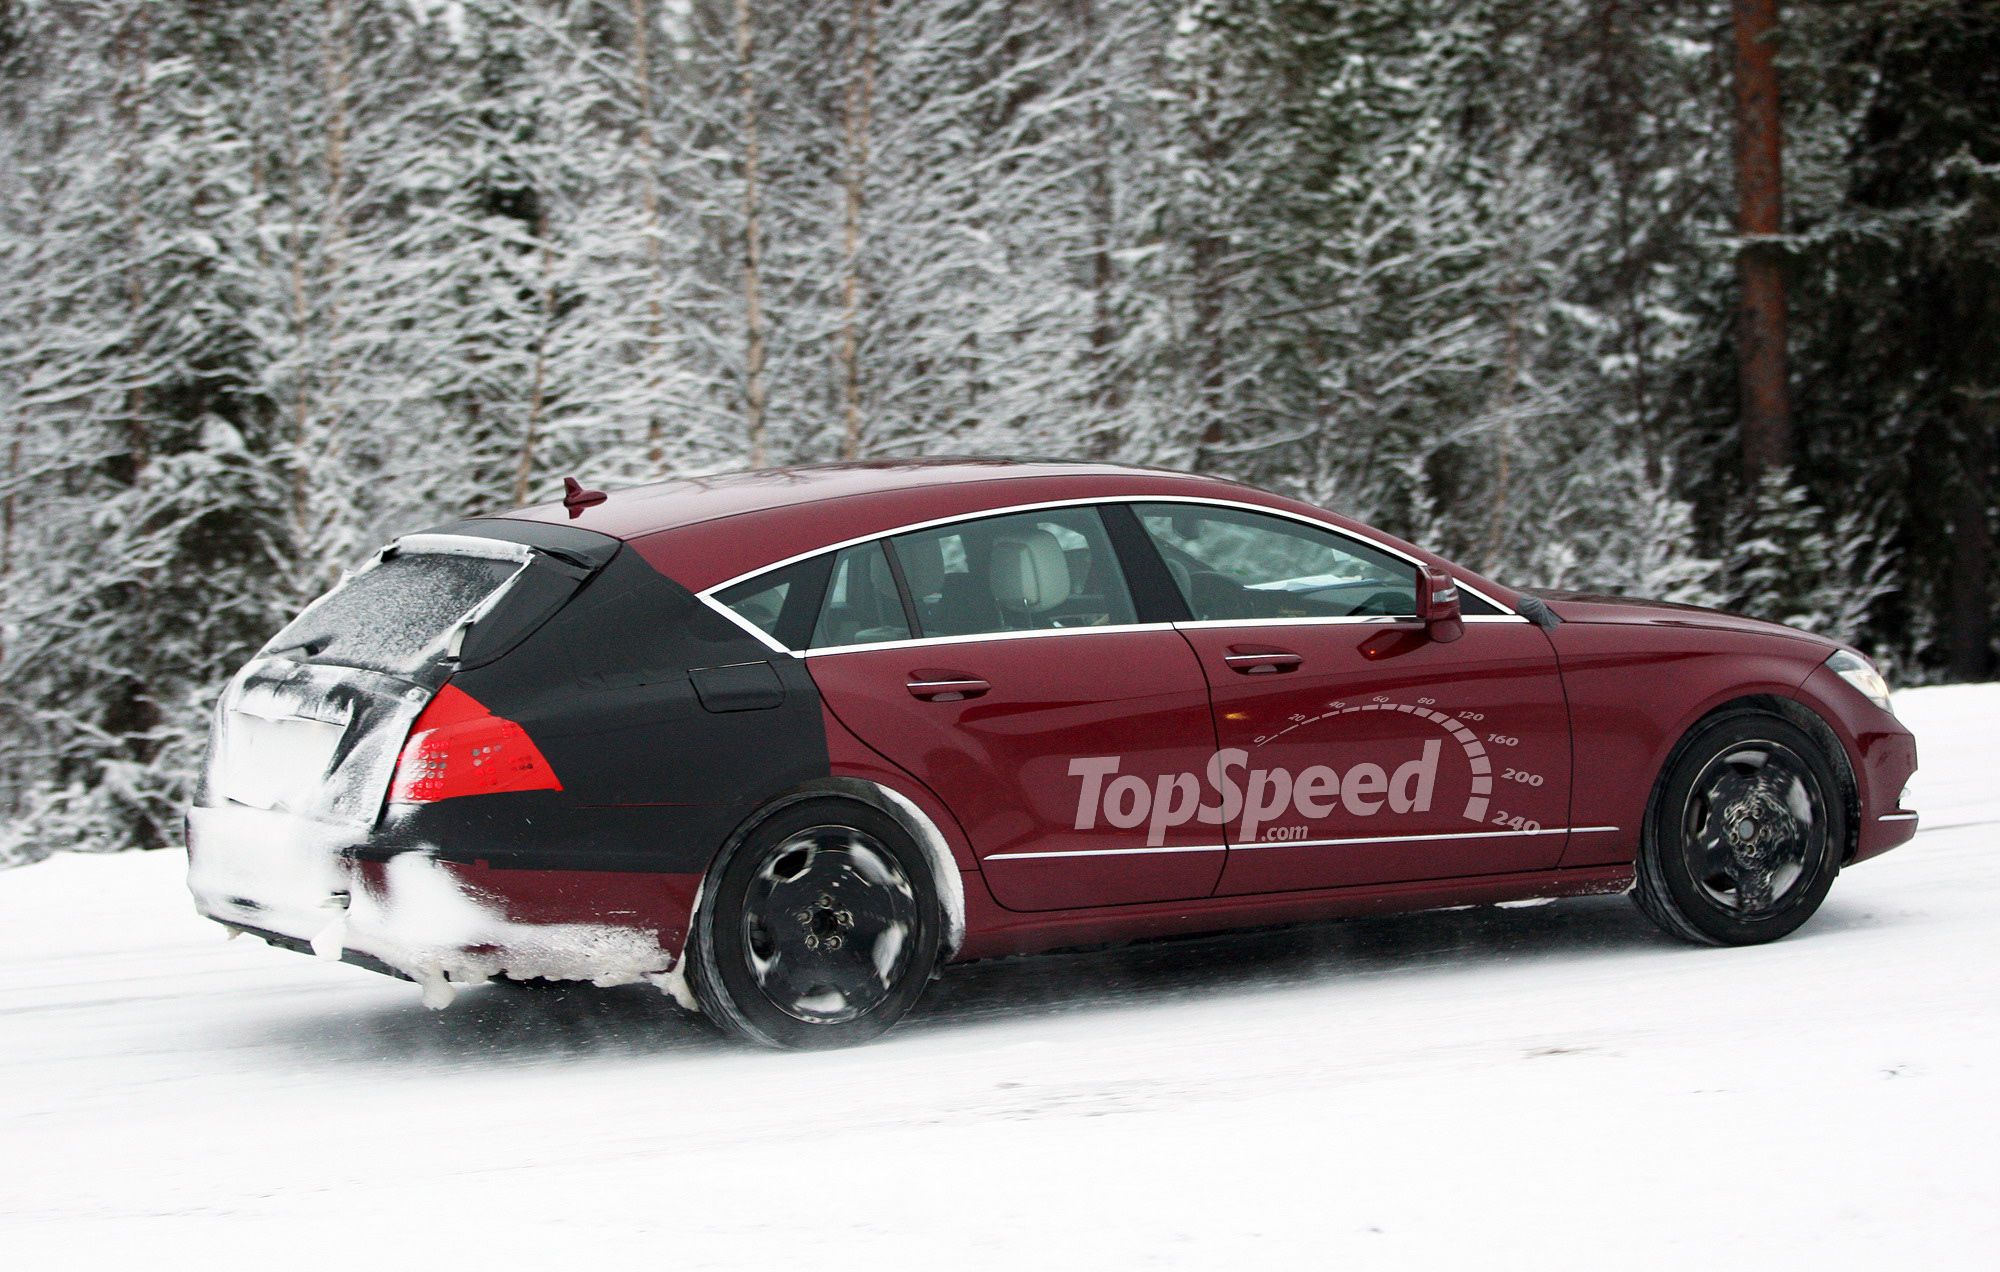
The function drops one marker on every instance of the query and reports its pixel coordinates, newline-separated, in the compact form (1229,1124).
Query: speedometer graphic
(1476,754)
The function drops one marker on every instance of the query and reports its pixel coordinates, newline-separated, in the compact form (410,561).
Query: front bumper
(1880,751)
(308,885)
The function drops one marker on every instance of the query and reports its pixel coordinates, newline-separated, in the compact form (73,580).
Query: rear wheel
(1744,837)
(819,929)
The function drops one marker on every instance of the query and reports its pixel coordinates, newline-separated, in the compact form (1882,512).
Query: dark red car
(784,742)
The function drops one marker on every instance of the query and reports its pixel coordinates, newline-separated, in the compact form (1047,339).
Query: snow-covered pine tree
(149,571)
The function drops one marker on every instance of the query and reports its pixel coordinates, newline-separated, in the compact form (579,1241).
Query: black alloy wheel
(1745,834)
(820,929)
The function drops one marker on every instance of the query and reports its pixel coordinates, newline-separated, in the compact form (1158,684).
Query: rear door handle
(945,686)
(1261,660)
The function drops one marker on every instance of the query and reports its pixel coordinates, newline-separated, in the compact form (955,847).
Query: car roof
(702,531)
(664,505)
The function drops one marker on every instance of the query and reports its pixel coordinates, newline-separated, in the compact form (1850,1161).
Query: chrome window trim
(1345,620)
(763,637)
(924,641)
(708,595)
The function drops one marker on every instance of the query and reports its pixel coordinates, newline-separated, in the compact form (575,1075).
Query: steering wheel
(1385,603)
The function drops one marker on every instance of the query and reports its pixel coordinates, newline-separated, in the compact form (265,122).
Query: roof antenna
(576,498)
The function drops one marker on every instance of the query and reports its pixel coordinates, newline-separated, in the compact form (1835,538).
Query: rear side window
(862,605)
(396,615)
(1027,571)
(784,604)
(1232,564)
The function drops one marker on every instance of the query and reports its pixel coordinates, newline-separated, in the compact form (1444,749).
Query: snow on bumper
(275,873)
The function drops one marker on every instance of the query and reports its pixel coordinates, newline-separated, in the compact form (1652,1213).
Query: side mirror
(1437,605)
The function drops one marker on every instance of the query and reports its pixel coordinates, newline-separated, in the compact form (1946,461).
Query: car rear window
(396,615)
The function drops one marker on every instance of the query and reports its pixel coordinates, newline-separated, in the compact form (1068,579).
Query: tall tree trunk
(1210,302)
(1969,603)
(1106,393)
(9,515)
(649,207)
(1622,102)
(132,712)
(753,237)
(859,112)
(320,378)
(1764,407)
(1503,460)
(135,58)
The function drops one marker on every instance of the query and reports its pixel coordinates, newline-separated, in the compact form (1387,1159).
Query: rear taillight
(457,747)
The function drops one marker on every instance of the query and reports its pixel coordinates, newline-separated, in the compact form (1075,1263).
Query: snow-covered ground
(1557,1085)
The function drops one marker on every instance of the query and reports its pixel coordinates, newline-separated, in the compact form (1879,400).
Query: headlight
(1861,673)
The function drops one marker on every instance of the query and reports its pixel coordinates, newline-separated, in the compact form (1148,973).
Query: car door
(1360,750)
(1019,686)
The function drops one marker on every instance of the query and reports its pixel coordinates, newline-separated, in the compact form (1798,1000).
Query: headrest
(1029,571)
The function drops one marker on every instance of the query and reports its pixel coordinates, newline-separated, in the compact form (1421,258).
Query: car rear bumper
(310,886)
(292,943)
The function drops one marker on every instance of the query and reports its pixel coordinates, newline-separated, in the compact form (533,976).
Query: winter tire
(1744,835)
(817,928)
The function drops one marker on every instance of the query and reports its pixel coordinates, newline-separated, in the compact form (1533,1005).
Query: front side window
(862,604)
(1025,571)
(1233,564)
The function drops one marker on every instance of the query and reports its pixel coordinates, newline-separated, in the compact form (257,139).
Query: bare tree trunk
(130,713)
(1621,105)
(10,507)
(1105,391)
(524,469)
(649,205)
(334,77)
(1764,408)
(1209,304)
(1496,530)
(1969,605)
(134,55)
(10,783)
(753,240)
(858,112)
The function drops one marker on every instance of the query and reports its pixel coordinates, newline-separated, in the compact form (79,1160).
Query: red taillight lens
(457,747)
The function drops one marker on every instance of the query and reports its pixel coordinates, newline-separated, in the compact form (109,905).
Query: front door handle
(945,686)
(1261,660)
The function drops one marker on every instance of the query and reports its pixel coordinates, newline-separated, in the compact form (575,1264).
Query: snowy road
(1550,1086)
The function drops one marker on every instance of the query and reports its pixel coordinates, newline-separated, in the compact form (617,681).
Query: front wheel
(1745,834)
(819,928)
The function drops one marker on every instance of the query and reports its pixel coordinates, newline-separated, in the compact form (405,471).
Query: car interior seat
(1029,576)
